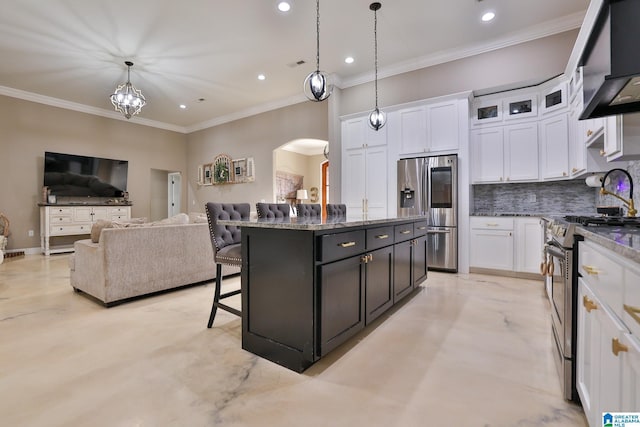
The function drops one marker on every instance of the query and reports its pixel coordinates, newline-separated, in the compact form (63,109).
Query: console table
(309,285)
(73,220)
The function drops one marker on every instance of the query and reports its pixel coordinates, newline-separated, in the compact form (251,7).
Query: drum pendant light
(317,86)
(377,118)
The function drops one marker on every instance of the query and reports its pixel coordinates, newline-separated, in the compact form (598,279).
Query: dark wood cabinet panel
(420,255)
(402,283)
(341,302)
(379,283)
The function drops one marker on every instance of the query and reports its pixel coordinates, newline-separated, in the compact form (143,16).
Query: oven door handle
(553,251)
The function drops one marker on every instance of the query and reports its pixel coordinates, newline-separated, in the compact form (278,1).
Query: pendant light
(377,118)
(127,99)
(316,85)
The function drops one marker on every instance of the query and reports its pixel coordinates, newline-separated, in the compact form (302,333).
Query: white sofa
(140,260)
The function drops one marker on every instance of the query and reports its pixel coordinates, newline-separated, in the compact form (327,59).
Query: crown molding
(74,106)
(549,28)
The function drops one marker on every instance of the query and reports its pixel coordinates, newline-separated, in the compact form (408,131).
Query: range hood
(611,61)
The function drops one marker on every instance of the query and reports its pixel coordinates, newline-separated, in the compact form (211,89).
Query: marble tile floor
(463,350)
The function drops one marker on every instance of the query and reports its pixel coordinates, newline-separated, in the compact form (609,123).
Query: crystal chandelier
(127,99)
(316,85)
(377,118)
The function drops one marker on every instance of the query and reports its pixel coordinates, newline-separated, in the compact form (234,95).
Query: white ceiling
(70,53)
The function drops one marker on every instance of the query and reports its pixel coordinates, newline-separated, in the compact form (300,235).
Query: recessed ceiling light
(261,77)
(488,16)
(284,6)
(183,106)
(349,59)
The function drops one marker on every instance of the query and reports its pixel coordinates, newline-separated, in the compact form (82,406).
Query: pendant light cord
(318,35)
(375,43)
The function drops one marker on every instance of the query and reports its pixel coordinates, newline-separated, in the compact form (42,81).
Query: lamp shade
(302,195)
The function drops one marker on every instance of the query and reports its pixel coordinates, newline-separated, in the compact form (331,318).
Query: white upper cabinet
(520,107)
(443,127)
(553,97)
(356,133)
(430,127)
(413,129)
(521,152)
(554,142)
(487,150)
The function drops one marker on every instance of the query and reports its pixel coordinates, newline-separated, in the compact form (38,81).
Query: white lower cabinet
(608,352)
(506,243)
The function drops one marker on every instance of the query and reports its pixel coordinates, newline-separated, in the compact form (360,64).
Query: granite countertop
(299,223)
(622,240)
(86,204)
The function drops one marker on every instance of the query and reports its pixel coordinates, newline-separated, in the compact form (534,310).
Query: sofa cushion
(97,226)
(181,218)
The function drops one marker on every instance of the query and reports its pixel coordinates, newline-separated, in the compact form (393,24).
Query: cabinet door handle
(364,259)
(382,236)
(422,227)
(370,257)
(347,244)
(588,304)
(405,232)
(492,224)
(616,347)
(634,312)
(591,271)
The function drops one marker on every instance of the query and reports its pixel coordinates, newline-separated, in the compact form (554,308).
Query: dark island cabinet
(341,301)
(306,291)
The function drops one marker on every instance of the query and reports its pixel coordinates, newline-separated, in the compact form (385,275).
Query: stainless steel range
(561,278)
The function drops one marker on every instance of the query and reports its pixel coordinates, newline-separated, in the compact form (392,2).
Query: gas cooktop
(562,229)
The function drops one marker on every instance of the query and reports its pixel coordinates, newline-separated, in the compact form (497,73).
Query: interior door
(174,193)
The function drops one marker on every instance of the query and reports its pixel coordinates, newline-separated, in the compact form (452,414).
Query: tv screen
(82,176)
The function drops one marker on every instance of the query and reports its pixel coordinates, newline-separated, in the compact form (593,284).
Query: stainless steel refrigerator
(429,186)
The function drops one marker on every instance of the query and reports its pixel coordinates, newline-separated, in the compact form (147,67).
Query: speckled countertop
(317,223)
(622,240)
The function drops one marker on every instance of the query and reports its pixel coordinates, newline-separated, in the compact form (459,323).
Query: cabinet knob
(602,152)
(588,304)
(574,170)
(564,174)
(617,347)
(589,132)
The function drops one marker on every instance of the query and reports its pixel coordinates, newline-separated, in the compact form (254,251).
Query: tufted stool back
(223,236)
(273,210)
(334,209)
(313,210)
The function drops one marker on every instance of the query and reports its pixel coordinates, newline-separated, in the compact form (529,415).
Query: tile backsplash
(557,197)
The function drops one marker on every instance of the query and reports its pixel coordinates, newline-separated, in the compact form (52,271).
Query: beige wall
(29,129)
(538,59)
(257,136)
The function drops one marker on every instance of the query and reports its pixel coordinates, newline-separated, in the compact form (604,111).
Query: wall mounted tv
(68,175)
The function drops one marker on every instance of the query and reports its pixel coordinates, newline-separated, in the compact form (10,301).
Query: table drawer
(341,245)
(55,219)
(116,217)
(60,211)
(420,228)
(119,211)
(403,232)
(64,230)
(379,237)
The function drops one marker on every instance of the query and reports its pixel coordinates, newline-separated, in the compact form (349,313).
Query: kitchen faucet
(632,210)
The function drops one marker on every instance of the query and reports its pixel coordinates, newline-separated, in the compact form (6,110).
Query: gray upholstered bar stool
(273,210)
(335,209)
(309,210)
(227,249)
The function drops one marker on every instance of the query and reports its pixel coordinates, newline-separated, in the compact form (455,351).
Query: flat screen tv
(68,175)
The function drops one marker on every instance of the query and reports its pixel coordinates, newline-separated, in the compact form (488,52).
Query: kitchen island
(308,285)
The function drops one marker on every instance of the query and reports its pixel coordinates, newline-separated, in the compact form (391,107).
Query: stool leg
(216,295)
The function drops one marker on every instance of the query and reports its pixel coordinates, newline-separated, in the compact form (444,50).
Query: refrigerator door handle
(438,231)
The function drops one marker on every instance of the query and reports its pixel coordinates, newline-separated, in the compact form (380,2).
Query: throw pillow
(181,218)
(97,227)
